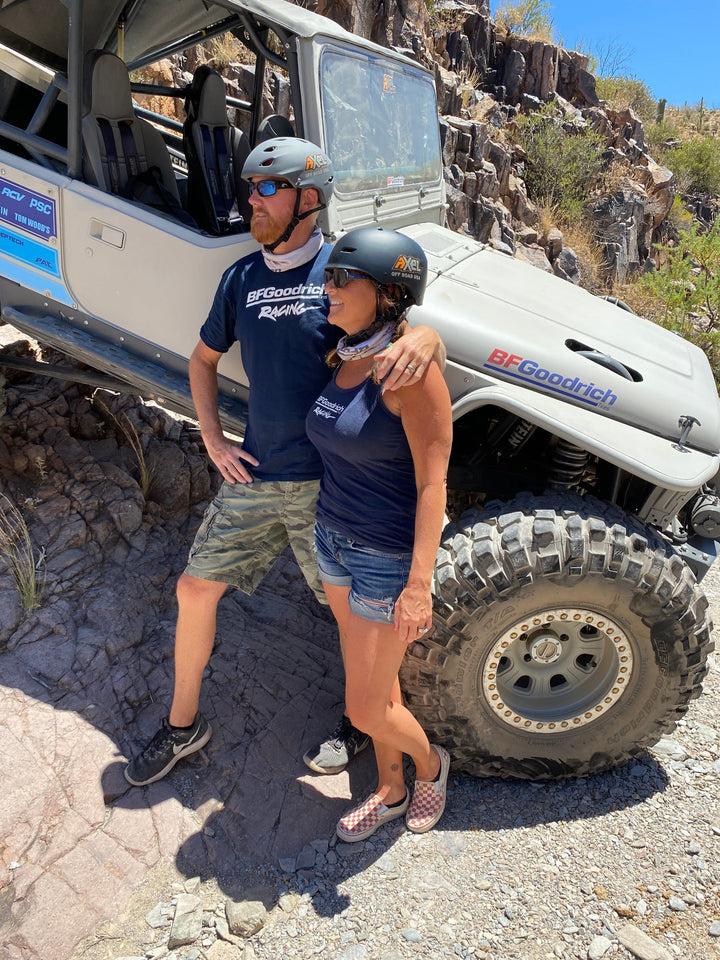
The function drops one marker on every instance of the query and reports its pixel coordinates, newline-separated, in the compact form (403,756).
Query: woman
(380,515)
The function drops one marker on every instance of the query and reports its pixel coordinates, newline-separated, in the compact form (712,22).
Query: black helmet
(387,256)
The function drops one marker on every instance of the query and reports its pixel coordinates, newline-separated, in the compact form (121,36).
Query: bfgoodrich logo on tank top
(327,409)
(276,302)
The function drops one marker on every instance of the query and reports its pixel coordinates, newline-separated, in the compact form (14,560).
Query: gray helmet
(387,256)
(300,162)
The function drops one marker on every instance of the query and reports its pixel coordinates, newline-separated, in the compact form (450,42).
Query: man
(272,302)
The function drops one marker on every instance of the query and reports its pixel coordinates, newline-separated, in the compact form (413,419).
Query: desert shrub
(658,136)
(707,340)
(696,164)
(561,167)
(525,18)
(679,217)
(689,282)
(622,92)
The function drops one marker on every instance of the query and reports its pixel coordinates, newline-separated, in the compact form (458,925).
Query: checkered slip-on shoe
(428,800)
(364,820)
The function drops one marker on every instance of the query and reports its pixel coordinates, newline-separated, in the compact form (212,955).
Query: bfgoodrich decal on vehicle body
(530,371)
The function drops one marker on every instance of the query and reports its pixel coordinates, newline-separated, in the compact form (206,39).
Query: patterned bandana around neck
(374,344)
(279,262)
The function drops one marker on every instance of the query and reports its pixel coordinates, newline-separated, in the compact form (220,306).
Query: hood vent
(604,360)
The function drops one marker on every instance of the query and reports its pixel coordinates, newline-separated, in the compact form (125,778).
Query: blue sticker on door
(24,208)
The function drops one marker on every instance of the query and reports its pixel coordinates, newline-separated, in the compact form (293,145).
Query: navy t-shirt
(368,491)
(280,321)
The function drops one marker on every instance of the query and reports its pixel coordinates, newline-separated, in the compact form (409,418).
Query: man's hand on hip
(228,457)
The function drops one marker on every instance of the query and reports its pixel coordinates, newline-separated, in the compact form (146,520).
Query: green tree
(561,167)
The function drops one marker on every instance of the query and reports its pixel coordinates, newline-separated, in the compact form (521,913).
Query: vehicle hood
(507,320)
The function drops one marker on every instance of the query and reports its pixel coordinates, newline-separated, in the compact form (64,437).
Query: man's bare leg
(194,641)
(187,730)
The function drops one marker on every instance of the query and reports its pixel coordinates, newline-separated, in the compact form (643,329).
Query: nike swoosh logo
(178,747)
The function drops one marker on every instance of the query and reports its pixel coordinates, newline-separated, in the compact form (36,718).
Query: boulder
(661,187)
(518,203)
(459,205)
(621,225)
(567,266)
(527,235)
(535,256)
(514,75)
(487,181)
(552,241)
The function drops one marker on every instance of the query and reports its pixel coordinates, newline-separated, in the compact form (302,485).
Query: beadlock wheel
(567,638)
(557,670)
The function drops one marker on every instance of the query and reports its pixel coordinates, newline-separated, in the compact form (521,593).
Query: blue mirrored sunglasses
(268,188)
(341,277)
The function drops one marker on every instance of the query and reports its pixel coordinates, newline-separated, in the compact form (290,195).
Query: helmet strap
(296,218)
(393,315)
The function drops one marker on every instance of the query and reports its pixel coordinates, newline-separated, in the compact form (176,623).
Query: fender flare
(657,460)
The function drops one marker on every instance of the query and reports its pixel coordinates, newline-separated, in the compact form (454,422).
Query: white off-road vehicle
(570,629)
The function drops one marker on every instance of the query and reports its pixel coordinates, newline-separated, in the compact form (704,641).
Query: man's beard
(267,230)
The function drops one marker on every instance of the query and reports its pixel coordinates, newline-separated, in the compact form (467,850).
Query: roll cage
(57,78)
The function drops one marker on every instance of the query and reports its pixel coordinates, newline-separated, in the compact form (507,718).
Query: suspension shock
(568,465)
(520,434)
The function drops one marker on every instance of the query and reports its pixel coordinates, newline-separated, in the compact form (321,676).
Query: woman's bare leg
(372,654)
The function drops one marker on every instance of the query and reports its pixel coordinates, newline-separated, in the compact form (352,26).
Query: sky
(673,46)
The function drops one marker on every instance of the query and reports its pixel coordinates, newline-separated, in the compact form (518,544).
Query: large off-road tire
(567,638)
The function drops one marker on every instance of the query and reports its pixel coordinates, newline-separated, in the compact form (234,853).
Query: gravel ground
(626,864)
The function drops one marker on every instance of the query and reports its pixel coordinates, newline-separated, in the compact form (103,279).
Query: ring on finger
(423,629)
(410,367)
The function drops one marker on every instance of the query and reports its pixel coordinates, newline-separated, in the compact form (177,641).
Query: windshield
(381,123)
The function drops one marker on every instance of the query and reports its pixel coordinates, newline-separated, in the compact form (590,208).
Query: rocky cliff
(484,80)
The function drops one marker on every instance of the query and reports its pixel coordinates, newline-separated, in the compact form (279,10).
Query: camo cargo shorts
(247,527)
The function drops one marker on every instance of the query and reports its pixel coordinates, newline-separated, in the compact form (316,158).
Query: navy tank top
(368,490)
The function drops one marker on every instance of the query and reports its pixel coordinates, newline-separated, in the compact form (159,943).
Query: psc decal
(31,211)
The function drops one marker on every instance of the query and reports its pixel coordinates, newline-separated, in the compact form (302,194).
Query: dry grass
(127,429)
(614,177)
(639,299)
(579,236)
(446,21)
(691,120)
(224,50)
(17,549)
(469,84)
(549,215)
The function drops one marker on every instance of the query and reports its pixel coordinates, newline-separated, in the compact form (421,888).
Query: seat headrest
(106,87)
(205,102)
(274,126)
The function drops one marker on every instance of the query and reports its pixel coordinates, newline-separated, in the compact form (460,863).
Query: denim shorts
(376,579)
